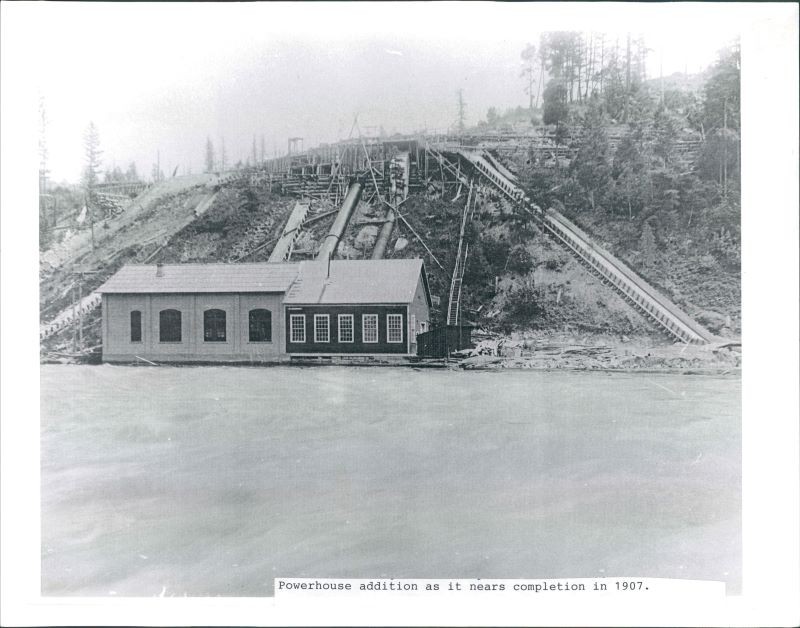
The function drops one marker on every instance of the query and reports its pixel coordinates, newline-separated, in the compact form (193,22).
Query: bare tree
(461,111)
(529,71)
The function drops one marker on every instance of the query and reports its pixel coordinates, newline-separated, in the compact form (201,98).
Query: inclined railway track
(612,271)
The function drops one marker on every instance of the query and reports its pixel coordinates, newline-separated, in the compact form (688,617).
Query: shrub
(519,260)
(523,306)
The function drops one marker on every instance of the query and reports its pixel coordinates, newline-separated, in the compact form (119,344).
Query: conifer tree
(92,154)
(591,167)
(209,155)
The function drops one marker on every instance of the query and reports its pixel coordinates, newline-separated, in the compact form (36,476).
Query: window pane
(136,326)
(369,331)
(214,325)
(322,328)
(260,325)
(394,328)
(345,328)
(169,326)
(297,331)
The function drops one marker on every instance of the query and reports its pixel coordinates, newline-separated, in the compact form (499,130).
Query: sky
(157,79)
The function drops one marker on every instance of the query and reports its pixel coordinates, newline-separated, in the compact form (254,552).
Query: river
(214,480)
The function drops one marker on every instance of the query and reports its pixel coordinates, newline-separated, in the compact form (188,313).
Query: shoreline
(539,351)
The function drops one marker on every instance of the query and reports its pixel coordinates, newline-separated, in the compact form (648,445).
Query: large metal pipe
(331,241)
(385,233)
(399,188)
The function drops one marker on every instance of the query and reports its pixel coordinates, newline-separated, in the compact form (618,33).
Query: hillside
(516,280)
(656,193)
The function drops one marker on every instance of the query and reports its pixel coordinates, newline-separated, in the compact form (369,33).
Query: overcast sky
(159,77)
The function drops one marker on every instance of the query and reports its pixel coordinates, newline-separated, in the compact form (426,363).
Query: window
(136,326)
(394,328)
(369,327)
(345,328)
(260,325)
(297,327)
(214,326)
(322,328)
(169,326)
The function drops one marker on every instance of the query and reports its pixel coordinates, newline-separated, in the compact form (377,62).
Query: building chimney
(159,270)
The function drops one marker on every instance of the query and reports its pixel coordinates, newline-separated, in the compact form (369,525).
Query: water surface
(215,480)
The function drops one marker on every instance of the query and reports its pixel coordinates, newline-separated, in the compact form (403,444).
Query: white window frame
(344,317)
(364,318)
(292,319)
(398,328)
(327,319)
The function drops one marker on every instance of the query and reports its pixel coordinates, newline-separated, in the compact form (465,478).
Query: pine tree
(131,174)
(631,164)
(721,120)
(665,128)
(722,92)
(555,102)
(591,167)
(647,244)
(460,122)
(209,156)
(92,154)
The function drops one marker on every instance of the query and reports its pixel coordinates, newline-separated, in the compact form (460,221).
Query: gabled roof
(194,278)
(358,282)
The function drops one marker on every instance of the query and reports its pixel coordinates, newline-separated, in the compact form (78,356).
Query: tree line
(592,85)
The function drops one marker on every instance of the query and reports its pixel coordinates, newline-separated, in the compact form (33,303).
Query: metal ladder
(454,304)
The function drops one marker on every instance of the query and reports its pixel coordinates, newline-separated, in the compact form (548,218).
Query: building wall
(419,314)
(358,346)
(117,346)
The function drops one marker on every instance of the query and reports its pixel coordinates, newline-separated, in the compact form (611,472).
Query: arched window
(136,326)
(169,326)
(214,325)
(260,325)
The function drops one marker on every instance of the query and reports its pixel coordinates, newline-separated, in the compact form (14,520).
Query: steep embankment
(696,260)
(516,278)
(194,222)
